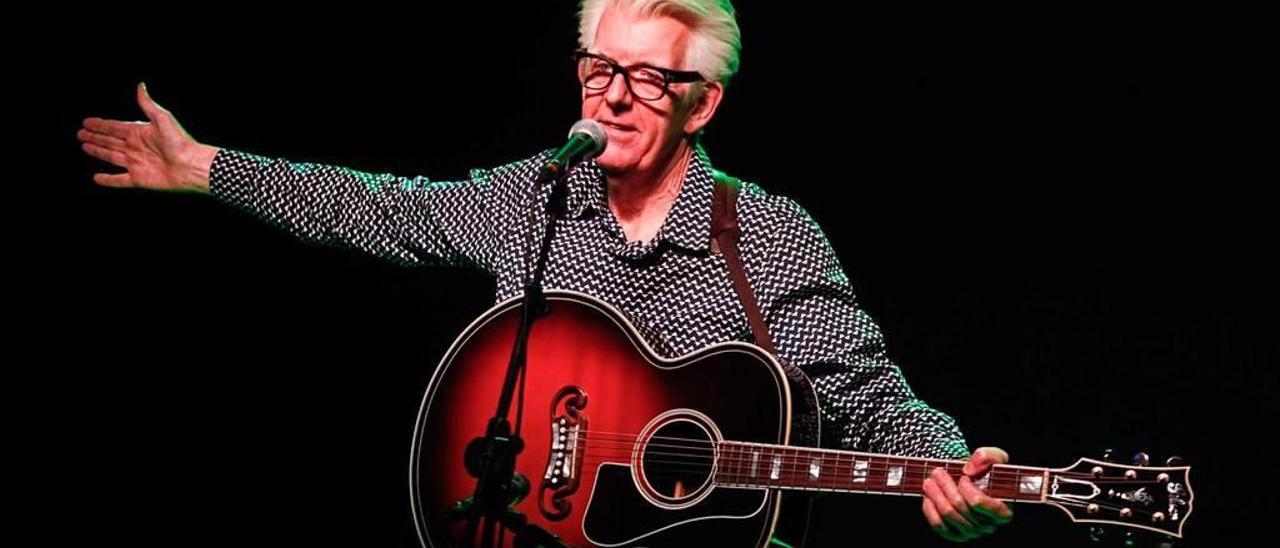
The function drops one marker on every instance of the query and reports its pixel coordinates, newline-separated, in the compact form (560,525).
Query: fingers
(960,510)
(939,526)
(113,179)
(988,509)
(114,128)
(149,107)
(113,157)
(100,139)
(946,506)
(943,480)
(983,458)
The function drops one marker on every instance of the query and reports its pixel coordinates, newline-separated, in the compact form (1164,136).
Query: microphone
(587,140)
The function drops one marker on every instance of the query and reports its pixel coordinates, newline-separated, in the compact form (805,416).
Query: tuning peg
(1174,461)
(1108,455)
(1141,459)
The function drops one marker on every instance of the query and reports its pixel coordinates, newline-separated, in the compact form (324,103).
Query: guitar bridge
(568,443)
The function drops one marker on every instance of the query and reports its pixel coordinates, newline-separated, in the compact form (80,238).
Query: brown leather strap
(724,238)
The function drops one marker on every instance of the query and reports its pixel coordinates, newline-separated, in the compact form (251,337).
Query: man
(636,233)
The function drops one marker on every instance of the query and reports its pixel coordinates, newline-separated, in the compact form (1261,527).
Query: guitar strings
(911,490)
(623,448)
(626,443)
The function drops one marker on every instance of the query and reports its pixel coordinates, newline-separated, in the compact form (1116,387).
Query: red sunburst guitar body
(625,448)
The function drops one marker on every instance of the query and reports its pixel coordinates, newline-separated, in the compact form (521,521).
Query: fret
(994,484)
(881,466)
(828,467)
(1008,483)
(831,471)
(729,462)
(998,484)
(732,466)
(876,479)
(791,475)
(739,466)
(723,461)
(838,480)
(834,476)
(800,469)
(804,468)
(914,478)
(795,468)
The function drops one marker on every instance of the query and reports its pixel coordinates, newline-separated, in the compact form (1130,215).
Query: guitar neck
(753,465)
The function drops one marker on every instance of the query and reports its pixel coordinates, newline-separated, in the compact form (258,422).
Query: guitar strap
(724,239)
(794,523)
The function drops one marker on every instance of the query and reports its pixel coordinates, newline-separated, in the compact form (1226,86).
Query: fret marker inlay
(860,471)
(1030,484)
(895,476)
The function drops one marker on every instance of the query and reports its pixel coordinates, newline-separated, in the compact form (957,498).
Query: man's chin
(613,165)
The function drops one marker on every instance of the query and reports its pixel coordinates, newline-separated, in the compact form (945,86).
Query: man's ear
(704,107)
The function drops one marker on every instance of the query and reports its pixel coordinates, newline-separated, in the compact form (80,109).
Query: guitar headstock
(1132,496)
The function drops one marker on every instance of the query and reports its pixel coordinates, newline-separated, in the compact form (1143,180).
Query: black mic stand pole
(493,456)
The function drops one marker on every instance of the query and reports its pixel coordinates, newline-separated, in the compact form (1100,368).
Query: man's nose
(618,96)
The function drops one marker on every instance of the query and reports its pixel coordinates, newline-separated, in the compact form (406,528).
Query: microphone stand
(492,458)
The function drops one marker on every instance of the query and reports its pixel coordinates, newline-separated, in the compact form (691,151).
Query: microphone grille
(595,131)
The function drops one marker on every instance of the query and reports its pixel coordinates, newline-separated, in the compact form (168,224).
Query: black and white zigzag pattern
(678,293)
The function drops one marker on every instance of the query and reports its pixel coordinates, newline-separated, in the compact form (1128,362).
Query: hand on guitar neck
(958,510)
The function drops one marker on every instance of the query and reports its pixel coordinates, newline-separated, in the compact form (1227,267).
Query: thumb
(149,107)
(982,460)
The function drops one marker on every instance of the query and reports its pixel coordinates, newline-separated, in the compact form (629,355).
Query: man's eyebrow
(634,65)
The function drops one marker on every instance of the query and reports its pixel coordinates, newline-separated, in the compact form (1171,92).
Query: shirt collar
(688,224)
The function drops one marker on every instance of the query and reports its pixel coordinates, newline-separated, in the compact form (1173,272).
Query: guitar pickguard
(618,515)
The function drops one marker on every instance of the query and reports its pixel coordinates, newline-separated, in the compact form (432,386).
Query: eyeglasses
(645,82)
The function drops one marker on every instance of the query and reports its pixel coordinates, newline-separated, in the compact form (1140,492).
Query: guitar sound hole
(678,459)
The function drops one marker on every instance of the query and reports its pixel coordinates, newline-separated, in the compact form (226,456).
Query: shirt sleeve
(816,324)
(408,220)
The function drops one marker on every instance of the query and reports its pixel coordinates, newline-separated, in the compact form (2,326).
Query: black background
(1048,213)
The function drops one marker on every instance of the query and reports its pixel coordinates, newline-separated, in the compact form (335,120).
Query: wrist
(197,163)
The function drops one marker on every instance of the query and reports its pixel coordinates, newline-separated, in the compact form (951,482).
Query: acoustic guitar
(625,448)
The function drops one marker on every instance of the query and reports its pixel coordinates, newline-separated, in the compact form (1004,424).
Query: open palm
(157,154)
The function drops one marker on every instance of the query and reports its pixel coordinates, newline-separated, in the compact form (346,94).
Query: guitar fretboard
(741,464)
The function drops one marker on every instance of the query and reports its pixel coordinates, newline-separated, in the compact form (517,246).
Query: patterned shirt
(677,292)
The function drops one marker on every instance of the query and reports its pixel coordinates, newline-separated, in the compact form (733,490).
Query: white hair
(716,44)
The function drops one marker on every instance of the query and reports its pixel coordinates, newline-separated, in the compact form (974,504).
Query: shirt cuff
(234,175)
